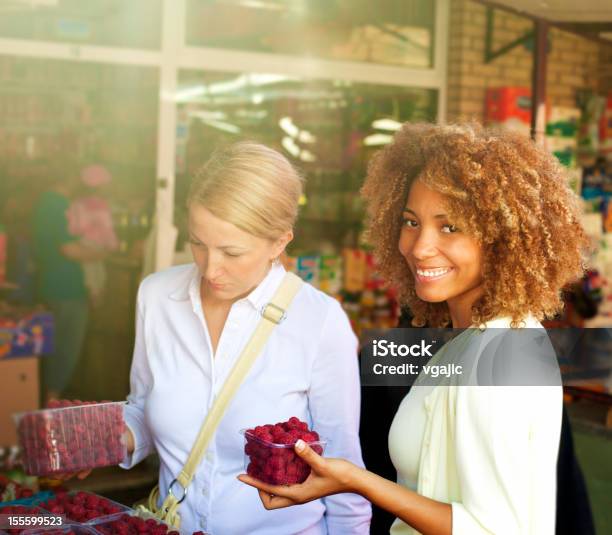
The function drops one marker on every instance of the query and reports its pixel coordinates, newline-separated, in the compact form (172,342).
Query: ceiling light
(387,124)
(290,146)
(377,139)
(287,126)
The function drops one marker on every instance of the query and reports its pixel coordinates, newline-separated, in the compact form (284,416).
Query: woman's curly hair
(501,188)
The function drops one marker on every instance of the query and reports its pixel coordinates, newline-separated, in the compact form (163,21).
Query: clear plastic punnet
(28,517)
(134,522)
(66,529)
(274,463)
(72,438)
(82,506)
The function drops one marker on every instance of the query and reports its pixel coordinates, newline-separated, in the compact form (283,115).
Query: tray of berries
(132,523)
(269,455)
(66,529)
(70,436)
(81,506)
(19,511)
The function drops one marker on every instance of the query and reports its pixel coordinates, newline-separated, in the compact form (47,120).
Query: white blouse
(489,451)
(406,436)
(307,369)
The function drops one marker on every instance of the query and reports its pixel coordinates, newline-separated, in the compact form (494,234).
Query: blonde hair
(251,186)
(502,189)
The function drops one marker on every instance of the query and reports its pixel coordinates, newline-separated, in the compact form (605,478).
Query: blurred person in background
(90,218)
(60,278)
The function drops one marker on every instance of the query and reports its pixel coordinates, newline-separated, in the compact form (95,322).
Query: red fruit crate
(270,456)
(72,438)
(82,507)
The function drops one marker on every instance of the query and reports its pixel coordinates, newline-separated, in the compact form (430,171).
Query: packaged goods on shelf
(353,279)
(509,107)
(307,268)
(354,270)
(605,129)
(25,333)
(330,274)
(561,132)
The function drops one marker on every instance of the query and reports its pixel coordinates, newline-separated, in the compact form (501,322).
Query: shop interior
(144,91)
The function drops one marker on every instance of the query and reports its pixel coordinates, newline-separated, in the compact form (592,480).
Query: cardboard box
(19,391)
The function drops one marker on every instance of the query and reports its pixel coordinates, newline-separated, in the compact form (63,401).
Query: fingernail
(300,445)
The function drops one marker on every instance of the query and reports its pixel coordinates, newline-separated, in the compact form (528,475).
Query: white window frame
(175,55)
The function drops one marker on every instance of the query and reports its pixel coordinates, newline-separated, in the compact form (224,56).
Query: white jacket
(491,452)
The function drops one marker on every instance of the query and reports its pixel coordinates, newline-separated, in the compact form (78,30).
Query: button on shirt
(307,369)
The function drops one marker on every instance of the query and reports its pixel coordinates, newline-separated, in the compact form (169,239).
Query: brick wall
(573,62)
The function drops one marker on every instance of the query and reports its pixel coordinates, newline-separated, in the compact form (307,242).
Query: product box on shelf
(509,106)
(330,274)
(307,268)
(28,335)
(561,133)
(355,269)
(72,438)
(605,129)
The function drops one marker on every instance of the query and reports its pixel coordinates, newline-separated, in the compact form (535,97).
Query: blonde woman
(194,320)
(475,228)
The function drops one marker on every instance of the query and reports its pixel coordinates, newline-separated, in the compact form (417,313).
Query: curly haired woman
(475,228)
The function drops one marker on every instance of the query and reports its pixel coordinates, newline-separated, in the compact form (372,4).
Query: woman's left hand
(328,476)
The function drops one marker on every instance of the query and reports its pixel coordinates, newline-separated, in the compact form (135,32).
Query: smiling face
(232,262)
(446,263)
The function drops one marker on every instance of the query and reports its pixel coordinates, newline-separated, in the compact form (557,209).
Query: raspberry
(278,431)
(309,437)
(295,435)
(293,422)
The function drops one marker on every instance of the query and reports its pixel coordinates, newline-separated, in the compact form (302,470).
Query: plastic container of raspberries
(82,507)
(21,510)
(133,523)
(74,436)
(269,451)
(66,529)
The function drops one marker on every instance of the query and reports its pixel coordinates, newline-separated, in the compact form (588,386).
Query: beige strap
(272,314)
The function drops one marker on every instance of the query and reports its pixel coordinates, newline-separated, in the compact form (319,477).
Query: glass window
(389,31)
(62,116)
(329,129)
(131,24)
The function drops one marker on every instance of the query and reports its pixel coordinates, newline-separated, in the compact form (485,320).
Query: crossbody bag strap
(272,314)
